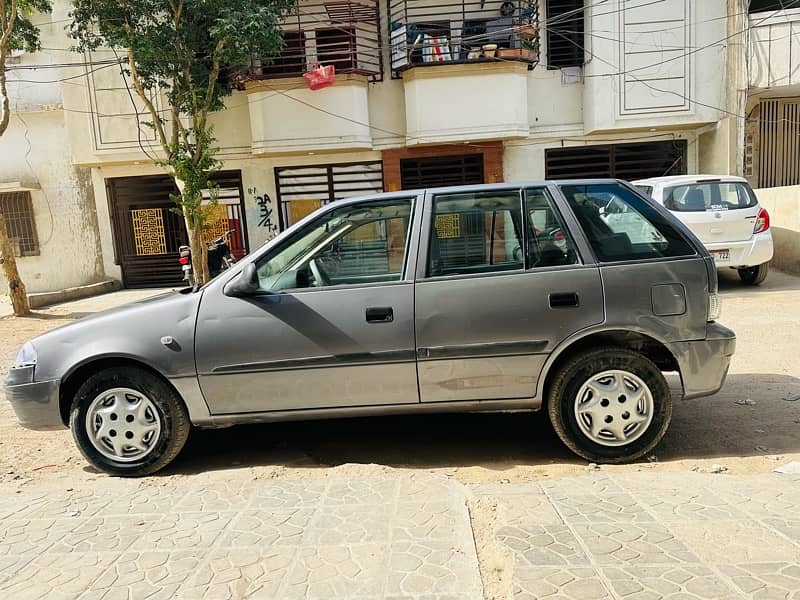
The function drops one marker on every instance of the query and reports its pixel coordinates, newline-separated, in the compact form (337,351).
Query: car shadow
(704,428)
(777,281)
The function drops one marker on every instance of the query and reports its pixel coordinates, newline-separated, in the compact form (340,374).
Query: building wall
(35,152)
(783,205)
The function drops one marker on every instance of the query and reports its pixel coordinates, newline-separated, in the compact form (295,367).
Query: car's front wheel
(128,422)
(754,275)
(610,405)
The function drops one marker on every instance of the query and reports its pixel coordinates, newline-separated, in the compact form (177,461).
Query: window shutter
(564,27)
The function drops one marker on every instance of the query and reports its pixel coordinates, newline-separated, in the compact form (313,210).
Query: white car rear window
(699,197)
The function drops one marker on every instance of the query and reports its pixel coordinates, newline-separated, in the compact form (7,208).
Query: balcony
(462,31)
(480,52)
(342,33)
(774,49)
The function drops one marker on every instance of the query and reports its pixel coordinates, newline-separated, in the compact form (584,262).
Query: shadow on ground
(703,428)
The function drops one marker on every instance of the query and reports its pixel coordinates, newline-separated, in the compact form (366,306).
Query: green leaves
(24,35)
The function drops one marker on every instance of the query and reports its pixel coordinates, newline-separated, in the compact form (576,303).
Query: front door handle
(564,300)
(380,314)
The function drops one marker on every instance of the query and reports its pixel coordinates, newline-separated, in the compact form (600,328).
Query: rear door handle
(564,300)
(380,314)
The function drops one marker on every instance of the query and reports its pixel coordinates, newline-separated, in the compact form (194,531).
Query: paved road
(638,535)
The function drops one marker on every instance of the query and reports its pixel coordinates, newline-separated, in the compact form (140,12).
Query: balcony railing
(343,33)
(433,32)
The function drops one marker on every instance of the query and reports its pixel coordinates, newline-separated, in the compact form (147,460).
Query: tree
(186,51)
(17,32)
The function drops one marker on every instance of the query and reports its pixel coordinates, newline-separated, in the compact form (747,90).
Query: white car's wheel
(754,275)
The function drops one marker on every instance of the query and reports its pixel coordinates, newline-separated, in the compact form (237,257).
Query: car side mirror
(246,284)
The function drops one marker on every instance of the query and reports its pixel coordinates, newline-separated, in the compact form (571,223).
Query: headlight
(26,356)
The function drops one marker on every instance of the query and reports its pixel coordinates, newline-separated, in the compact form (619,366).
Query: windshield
(699,197)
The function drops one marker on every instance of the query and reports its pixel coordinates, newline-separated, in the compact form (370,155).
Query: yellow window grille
(148,231)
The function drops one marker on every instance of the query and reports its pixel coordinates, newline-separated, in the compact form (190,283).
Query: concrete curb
(43,299)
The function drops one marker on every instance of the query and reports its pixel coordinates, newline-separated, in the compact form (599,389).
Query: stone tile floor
(403,536)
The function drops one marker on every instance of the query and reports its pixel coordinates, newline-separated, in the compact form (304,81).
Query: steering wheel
(319,275)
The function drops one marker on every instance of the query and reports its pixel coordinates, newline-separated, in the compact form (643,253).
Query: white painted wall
(654,64)
(34,149)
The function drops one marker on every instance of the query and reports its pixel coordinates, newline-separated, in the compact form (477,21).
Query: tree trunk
(16,289)
(199,250)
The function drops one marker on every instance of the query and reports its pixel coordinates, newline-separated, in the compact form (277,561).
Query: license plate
(186,267)
(721,255)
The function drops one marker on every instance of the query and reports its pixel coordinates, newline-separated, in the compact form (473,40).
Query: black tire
(175,424)
(754,275)
(577,370)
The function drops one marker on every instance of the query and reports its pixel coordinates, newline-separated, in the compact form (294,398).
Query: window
(304,189)
(647,190)
(622,226)
(291,62)
(564,33)
(337,47)
(17,208)
(549,242)
(700,197)
(757,6)
(476,232)
(352,245)
(623,161)
(440,171)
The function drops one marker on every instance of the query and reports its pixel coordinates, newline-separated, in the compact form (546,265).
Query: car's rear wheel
(754,275)
(128,422)
(610,405)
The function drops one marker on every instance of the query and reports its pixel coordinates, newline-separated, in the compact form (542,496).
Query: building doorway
(148,231)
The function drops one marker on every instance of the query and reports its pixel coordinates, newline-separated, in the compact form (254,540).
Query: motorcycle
(220,258)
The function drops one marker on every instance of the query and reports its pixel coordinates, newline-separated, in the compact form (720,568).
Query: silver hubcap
(614,408)
(123,424)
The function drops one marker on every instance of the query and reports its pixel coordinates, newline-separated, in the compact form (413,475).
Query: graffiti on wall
(266,214)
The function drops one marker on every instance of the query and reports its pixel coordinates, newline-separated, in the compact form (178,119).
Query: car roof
(678,179)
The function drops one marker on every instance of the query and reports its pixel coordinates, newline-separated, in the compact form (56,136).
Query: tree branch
(137,85)
(5,39)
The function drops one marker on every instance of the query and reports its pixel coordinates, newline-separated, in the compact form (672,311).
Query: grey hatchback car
(511,297)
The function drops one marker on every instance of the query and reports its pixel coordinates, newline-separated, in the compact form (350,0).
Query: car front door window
(351,245)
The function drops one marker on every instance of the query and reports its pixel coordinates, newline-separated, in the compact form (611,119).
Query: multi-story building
(427,92)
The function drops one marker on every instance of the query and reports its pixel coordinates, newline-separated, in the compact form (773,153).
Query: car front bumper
(34,402)
(704,363)
(751,253)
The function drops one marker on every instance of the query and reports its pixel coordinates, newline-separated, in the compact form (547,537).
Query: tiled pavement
(634,536)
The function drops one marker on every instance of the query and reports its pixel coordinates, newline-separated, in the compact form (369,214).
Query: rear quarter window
(622,226)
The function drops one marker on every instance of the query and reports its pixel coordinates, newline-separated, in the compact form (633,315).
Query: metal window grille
(623,161)
(431,32)
(17,208)
(439,171)
(564,34)
(779,144)
(343,33)
(303,189)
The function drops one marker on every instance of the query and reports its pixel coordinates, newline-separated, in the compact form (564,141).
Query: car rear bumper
(704,363)
(35,403)
(750,253)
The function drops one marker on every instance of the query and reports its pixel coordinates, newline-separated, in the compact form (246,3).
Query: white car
(723,212)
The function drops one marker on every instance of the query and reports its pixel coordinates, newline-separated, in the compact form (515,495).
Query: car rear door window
(476,232)
(622,226)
